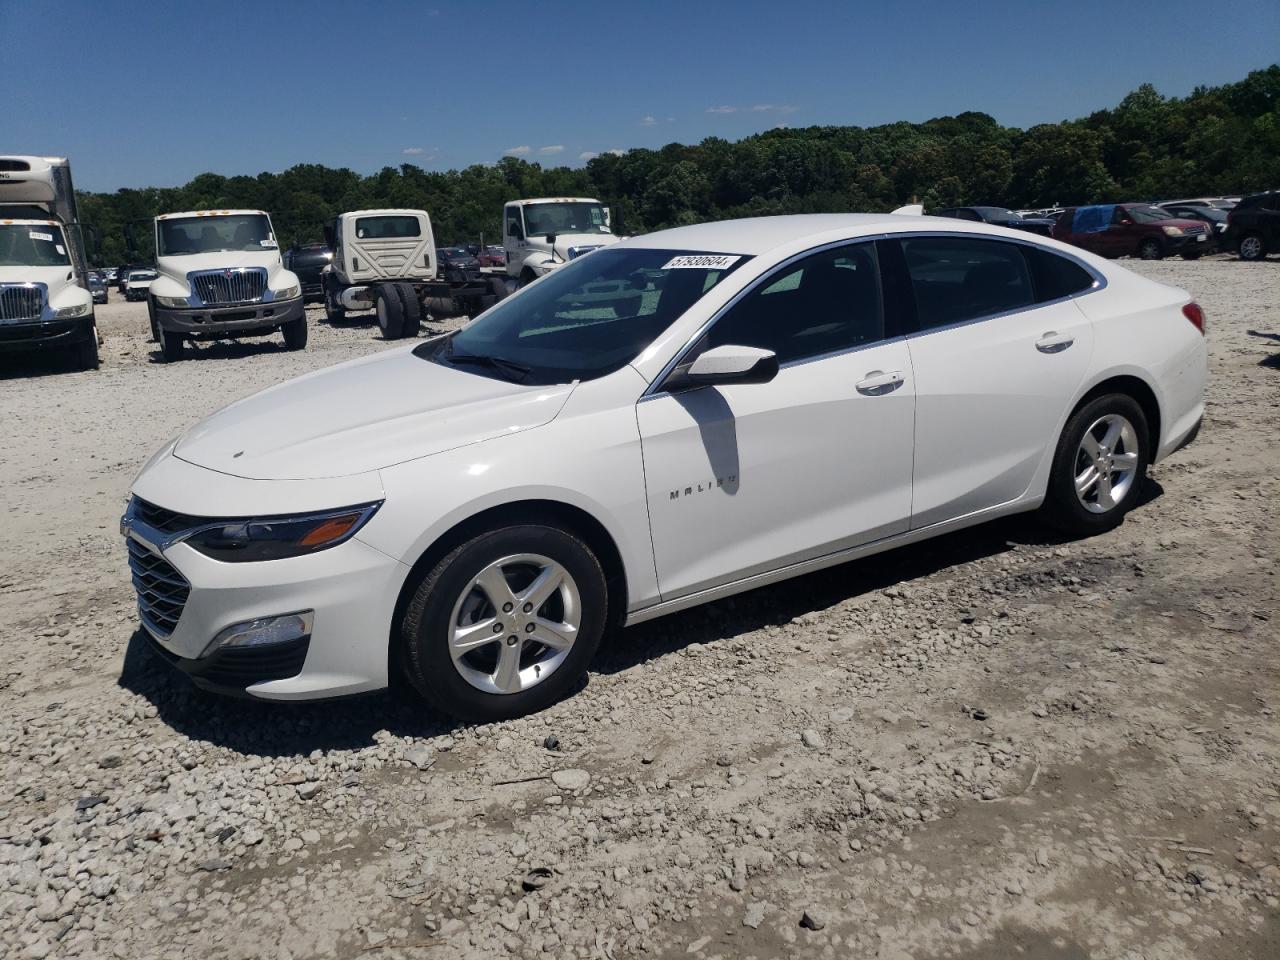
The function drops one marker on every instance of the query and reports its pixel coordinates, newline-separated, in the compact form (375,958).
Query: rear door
(998,351)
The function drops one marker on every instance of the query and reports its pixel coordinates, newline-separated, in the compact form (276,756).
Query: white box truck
(45,303)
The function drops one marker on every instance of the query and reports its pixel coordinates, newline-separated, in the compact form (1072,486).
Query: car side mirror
(728,364)
(551,239)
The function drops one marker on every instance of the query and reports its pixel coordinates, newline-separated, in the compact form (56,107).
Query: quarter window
(1055,277)
(822,304)
(963,278)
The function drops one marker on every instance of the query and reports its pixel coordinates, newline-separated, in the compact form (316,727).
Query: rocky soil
(992,745)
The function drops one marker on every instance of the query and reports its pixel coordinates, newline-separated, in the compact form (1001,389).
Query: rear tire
(1106,494)
(295,334)
(170,345)
(1151,249)
(449,599)
(1251,247)
(390,312)
(411,309)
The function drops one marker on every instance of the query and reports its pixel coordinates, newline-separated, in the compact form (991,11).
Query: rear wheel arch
(553,513)
(1141,392)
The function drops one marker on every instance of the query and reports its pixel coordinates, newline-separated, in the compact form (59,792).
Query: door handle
(877,383)
(1053,342)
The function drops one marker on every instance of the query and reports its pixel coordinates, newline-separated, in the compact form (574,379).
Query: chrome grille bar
(217,288)
(20,301)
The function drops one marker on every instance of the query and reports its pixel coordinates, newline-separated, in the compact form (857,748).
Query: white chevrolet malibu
(670,420)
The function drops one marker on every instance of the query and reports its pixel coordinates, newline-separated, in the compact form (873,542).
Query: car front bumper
(249,318)
(46,335)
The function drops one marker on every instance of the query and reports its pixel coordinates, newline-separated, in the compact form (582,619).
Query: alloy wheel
(1251,248)
(1106,463)
(514,623)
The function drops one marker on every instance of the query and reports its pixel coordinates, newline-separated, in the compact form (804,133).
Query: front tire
(505,624)
(295,334)
(1150,249)
(411,310)
(86,352)
(1099,466)
(170,345)
(334,312)
(1251,247)
(151,315)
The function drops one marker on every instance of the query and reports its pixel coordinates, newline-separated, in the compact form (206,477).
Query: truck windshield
(240,232)
(564,218)
(587,319)
(32,245)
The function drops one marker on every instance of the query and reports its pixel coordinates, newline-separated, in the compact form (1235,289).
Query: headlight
(288,293)
(70,313)
(275,538)
(1172,231)
(173,303)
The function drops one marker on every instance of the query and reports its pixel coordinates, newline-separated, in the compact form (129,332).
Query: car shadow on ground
(36,363)
(223,350)
(259,728)
(1271,362)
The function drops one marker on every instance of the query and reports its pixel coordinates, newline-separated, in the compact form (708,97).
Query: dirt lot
(992,745)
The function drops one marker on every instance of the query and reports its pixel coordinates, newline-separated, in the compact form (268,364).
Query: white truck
(540,235)
(220,276)
(45,303)
(386,260)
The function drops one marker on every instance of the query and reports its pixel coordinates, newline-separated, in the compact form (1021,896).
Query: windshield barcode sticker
(700,262)
(36,235)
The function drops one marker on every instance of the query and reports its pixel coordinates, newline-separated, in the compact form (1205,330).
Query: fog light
(263,632)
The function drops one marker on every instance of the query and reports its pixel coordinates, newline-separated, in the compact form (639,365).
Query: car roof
(758,235)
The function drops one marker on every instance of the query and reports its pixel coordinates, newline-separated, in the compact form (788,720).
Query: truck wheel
(151,315)
(1251,247)
(87,352)
(526,277)
(390,312)
(1150,249)
(334,312)
(498,288)
(170,345)
(295,334)
(411,309)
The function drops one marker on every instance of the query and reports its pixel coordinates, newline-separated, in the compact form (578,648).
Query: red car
(1131,230)
(492,257)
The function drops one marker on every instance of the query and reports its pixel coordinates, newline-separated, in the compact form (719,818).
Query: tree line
(1217,140)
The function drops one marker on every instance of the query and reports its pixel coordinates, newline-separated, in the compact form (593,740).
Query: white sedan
(671,420)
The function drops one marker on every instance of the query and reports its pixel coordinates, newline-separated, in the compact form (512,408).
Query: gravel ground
(996,744)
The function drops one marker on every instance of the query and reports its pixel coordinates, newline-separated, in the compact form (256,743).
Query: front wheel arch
(551,513)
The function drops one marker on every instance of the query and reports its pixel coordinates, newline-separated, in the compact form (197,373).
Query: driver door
(746,478)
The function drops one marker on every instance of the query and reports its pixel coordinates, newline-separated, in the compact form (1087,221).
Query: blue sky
(142,94)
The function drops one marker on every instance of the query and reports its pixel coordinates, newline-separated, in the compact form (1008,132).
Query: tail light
(1193,313)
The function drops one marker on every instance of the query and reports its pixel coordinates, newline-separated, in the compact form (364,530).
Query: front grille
(575,252)
(20,301)
(217,288)
(167,521)
(162,590)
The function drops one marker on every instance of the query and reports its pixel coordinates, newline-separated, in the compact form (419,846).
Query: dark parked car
(492,257)
(998,216)
(1131,230)
(1214,217)
(307,260)
(98,287)
(457,264)
(1253,226)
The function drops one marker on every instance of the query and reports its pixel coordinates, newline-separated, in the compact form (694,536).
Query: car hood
(364,415)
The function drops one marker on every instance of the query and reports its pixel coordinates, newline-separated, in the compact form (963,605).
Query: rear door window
(956,279)
(387,228)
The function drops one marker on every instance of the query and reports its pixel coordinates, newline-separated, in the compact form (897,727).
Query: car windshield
(586,319)
(32,245)
(239,232)
(997,213)
(564,218)
(1144,213)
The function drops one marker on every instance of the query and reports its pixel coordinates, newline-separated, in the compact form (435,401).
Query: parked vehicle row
(704,390)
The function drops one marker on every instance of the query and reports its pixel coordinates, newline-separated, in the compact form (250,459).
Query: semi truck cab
(540,235)
(45,303)
(220,276)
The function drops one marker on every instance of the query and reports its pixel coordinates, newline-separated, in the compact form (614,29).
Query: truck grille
(20,301)
(162,590)
(217,288)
